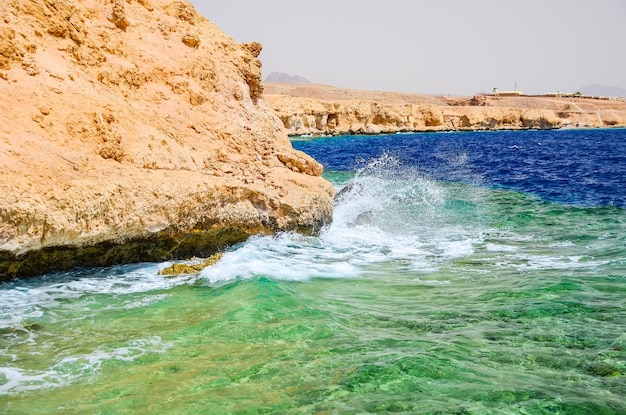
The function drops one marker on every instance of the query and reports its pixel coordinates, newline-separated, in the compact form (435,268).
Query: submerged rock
(120,144)
(182,268)
(602,369)
(352,189)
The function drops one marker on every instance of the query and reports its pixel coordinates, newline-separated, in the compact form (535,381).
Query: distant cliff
(137,131)
(320,109)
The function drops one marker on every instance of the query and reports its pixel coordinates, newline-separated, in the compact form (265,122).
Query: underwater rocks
(137,131)
(190,268)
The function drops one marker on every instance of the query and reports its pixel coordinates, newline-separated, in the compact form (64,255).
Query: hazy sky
(437,46)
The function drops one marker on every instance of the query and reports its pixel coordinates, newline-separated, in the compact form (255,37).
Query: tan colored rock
(540,119)
(118,15)
(127,146)
(310,116)
(320,109)
(195,267)
(191,40)
(612,118)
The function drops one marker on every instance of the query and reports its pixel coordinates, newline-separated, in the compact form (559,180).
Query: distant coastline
(313,109)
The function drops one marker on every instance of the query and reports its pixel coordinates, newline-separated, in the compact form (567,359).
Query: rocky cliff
(319,109)
(137,131)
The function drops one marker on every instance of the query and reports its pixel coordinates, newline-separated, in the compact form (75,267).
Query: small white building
(499,93)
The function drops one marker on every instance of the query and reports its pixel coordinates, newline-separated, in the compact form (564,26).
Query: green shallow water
(492,302)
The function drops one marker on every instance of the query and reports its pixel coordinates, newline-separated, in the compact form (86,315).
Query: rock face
(310,116)
(137,131)
(319,109)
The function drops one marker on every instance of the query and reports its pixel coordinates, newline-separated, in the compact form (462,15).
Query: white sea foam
(457,249)
(30,300)
(491,247)
(564,244)
(287,257)
(380,217)
(144,301)
(71,369)
(534,262)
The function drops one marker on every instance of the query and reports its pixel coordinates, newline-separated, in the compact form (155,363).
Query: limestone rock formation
(136,131)
(320,109)
(309,116)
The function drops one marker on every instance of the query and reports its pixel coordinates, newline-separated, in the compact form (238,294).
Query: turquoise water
(424,296)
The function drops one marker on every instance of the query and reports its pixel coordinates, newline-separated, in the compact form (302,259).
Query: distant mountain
(285,78)
(602,90)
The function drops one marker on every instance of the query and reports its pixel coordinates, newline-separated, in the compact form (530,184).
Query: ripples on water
(579,167)
(437,289)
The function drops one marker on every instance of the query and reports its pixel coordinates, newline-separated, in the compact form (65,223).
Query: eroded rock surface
(321,109)
(134,131)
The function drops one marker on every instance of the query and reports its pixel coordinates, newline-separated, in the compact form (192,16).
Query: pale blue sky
(446,46)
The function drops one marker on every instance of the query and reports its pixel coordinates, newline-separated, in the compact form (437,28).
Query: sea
(463,273)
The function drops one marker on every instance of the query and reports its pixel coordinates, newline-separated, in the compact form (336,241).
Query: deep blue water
(574,167)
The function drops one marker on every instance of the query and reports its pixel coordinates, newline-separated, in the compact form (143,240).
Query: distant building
(564,94)
(499,93)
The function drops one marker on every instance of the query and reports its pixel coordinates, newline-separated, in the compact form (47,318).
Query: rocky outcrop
(498,118)
(310,116)
(319,109)
(136,131)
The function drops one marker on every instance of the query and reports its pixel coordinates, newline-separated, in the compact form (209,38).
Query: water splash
(388,196)
(24,301)
(384,213)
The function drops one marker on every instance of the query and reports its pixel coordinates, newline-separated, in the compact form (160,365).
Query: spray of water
(387,195)
(386,213)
